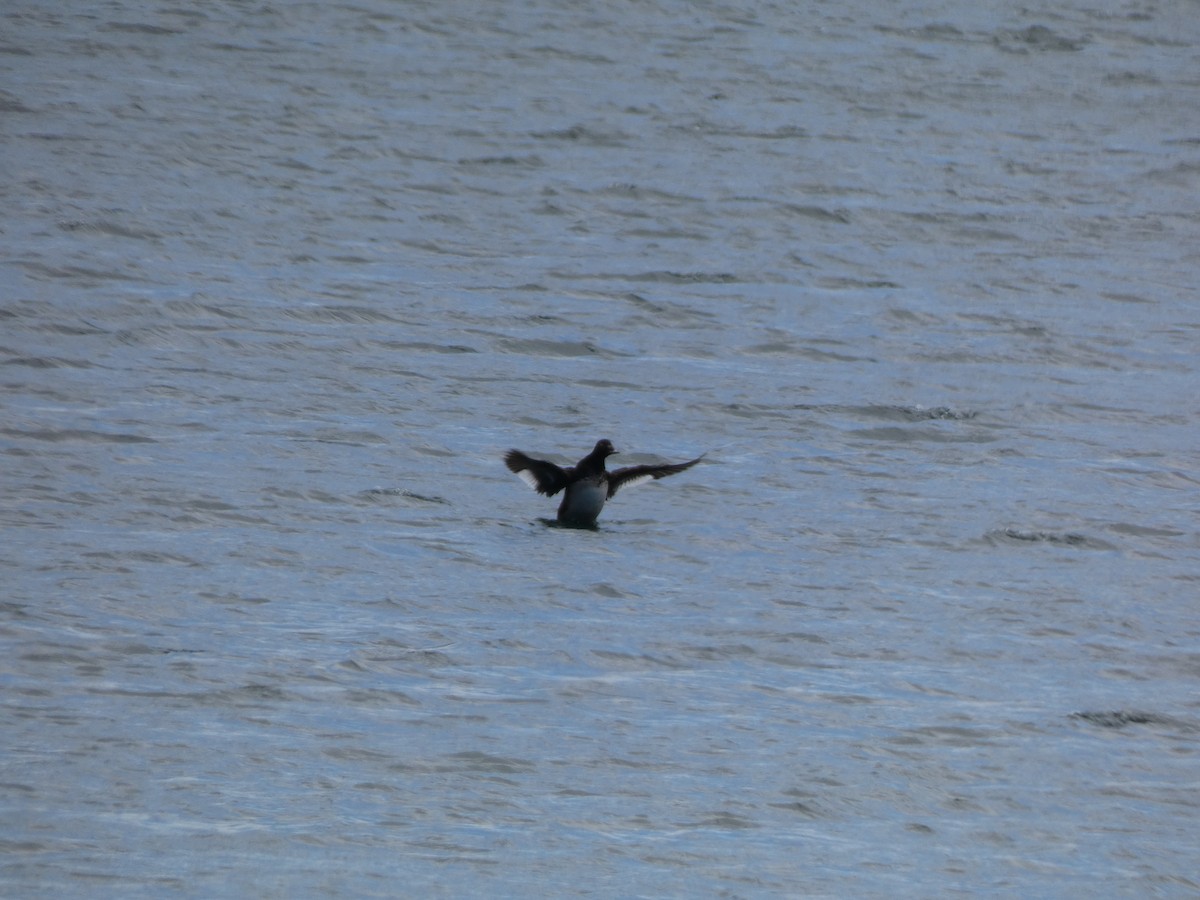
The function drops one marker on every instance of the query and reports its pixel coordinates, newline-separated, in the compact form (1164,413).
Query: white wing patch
(635,481)
(529,478)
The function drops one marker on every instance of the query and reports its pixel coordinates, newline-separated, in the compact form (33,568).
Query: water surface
(283,283)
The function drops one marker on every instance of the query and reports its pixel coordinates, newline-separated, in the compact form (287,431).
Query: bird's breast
(584,501)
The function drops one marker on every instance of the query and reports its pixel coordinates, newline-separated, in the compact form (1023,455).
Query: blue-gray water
(282,282)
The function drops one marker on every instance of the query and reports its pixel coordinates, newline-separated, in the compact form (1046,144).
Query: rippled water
(282,284)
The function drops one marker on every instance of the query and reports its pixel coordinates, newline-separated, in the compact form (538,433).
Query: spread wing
(544,477)
(635,475)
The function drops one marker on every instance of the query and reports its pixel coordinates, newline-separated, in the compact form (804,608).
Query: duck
(587,485)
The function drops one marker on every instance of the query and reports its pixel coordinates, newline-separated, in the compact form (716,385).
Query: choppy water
(283,282)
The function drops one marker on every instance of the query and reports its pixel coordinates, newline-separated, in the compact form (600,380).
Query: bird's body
(587,485)
(582,502)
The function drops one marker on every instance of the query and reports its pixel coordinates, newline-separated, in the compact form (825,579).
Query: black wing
(635,475)
(544,477)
